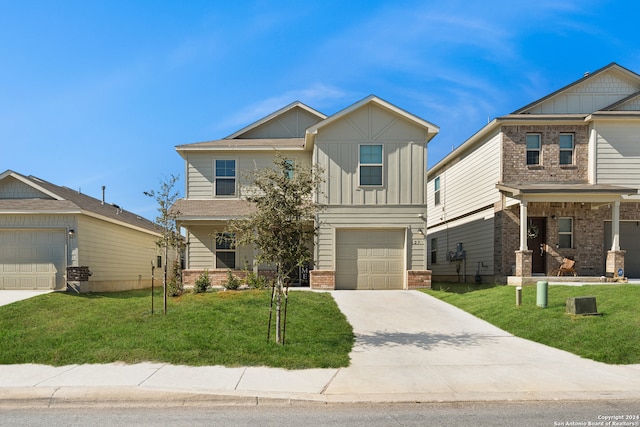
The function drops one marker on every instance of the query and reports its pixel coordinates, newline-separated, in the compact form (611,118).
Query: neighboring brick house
(373,154)
(53,237)
(556,179)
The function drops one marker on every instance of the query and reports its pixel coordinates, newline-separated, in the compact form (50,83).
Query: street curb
(136,397)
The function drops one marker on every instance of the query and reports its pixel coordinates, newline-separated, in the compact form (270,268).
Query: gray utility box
(582,305)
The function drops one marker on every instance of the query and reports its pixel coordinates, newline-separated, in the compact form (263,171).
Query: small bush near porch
(613,337)
(213,328)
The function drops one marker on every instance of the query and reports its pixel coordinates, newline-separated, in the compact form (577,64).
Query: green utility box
(542,294)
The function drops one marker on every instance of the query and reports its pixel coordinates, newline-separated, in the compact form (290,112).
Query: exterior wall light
(72,233)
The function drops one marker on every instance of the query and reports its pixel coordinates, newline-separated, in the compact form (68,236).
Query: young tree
(166,196)
(282,226)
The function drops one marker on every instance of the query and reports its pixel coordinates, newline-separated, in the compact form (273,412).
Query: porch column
(615,257)
(524,257)
(523,225)
(615,227)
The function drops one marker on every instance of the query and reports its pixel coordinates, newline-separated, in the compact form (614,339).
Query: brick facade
(323,279)
(514,157)
(417,279)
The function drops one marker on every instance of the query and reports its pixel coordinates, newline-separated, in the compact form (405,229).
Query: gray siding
(618,154)
(467,185)
(476,233)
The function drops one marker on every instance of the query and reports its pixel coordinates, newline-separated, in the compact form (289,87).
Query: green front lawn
(613,337)
(216,328)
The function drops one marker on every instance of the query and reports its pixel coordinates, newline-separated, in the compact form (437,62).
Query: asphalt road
(589,413)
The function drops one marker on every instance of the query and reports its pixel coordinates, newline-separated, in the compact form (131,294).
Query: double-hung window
(225,250)
(370,165)
(533,149)
(436,191)
(225,177)
(566,148)
(565,233)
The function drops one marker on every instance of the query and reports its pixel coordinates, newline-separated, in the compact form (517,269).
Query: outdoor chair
(567,266)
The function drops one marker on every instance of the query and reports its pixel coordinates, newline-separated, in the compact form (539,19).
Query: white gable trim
(275,114)
(30,183)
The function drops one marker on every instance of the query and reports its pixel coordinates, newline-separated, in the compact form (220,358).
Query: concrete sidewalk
(410,347)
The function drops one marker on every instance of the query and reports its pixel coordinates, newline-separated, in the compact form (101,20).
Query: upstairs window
(225,178)
(225,250)
(290,168)
(565,233)
(566,149)
(370,165)
(533,149)
(436,191)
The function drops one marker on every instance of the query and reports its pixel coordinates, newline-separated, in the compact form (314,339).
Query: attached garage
(370,259)
(630,242)
(32,259)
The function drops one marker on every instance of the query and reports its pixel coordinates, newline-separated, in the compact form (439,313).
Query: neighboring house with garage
(50,235)
(371,232)
(556,179)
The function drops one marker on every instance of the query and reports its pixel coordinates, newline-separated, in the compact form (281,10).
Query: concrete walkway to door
(414,346)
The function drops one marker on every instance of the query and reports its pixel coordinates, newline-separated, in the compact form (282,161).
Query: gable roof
(275,114)
(613,67)
(57,199)
(432,129)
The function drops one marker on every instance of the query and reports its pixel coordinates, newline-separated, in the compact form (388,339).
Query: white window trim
(371,164)
(539,150)
(215,179)
(216,250)
(570,233)
(573,149)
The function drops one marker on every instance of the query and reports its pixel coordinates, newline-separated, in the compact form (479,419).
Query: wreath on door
(533,231)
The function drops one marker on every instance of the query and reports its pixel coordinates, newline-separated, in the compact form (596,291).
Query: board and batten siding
(200,168)
(116,255)
(11,188)
(467,185)
(404,159)
(476,233)
(592,95)
(618,153)
(381,217)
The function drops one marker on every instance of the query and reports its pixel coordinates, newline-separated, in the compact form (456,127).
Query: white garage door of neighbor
(32,259)
(370,259)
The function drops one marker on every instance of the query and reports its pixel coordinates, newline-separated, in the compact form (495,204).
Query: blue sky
(99,93)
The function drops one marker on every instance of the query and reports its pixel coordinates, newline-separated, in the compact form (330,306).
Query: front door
(536,239)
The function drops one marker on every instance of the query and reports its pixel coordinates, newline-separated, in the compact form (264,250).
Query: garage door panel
(32,259)
(370,259)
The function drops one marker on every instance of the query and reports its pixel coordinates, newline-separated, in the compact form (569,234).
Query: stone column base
(322,279)
(615,261)
(524,260)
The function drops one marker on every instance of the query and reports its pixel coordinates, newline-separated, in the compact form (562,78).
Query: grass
(216,328)
(613,337)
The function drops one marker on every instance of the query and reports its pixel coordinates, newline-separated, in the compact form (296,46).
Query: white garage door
(370,259)
(32,259)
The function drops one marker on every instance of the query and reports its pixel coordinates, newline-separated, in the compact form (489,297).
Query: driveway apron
(410,343)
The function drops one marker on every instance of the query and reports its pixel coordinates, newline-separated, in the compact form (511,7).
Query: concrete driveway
(10,296)
(411,344)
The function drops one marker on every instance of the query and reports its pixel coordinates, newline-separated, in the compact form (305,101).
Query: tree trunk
(278,308)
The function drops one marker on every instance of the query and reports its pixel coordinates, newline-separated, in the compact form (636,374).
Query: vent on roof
(587,74)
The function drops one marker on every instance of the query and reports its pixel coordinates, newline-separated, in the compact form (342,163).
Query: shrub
(255,281)
(175,287)
(202,283)
(232,282)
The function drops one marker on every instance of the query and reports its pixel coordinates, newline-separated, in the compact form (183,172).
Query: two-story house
(556,179)
(371,232)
